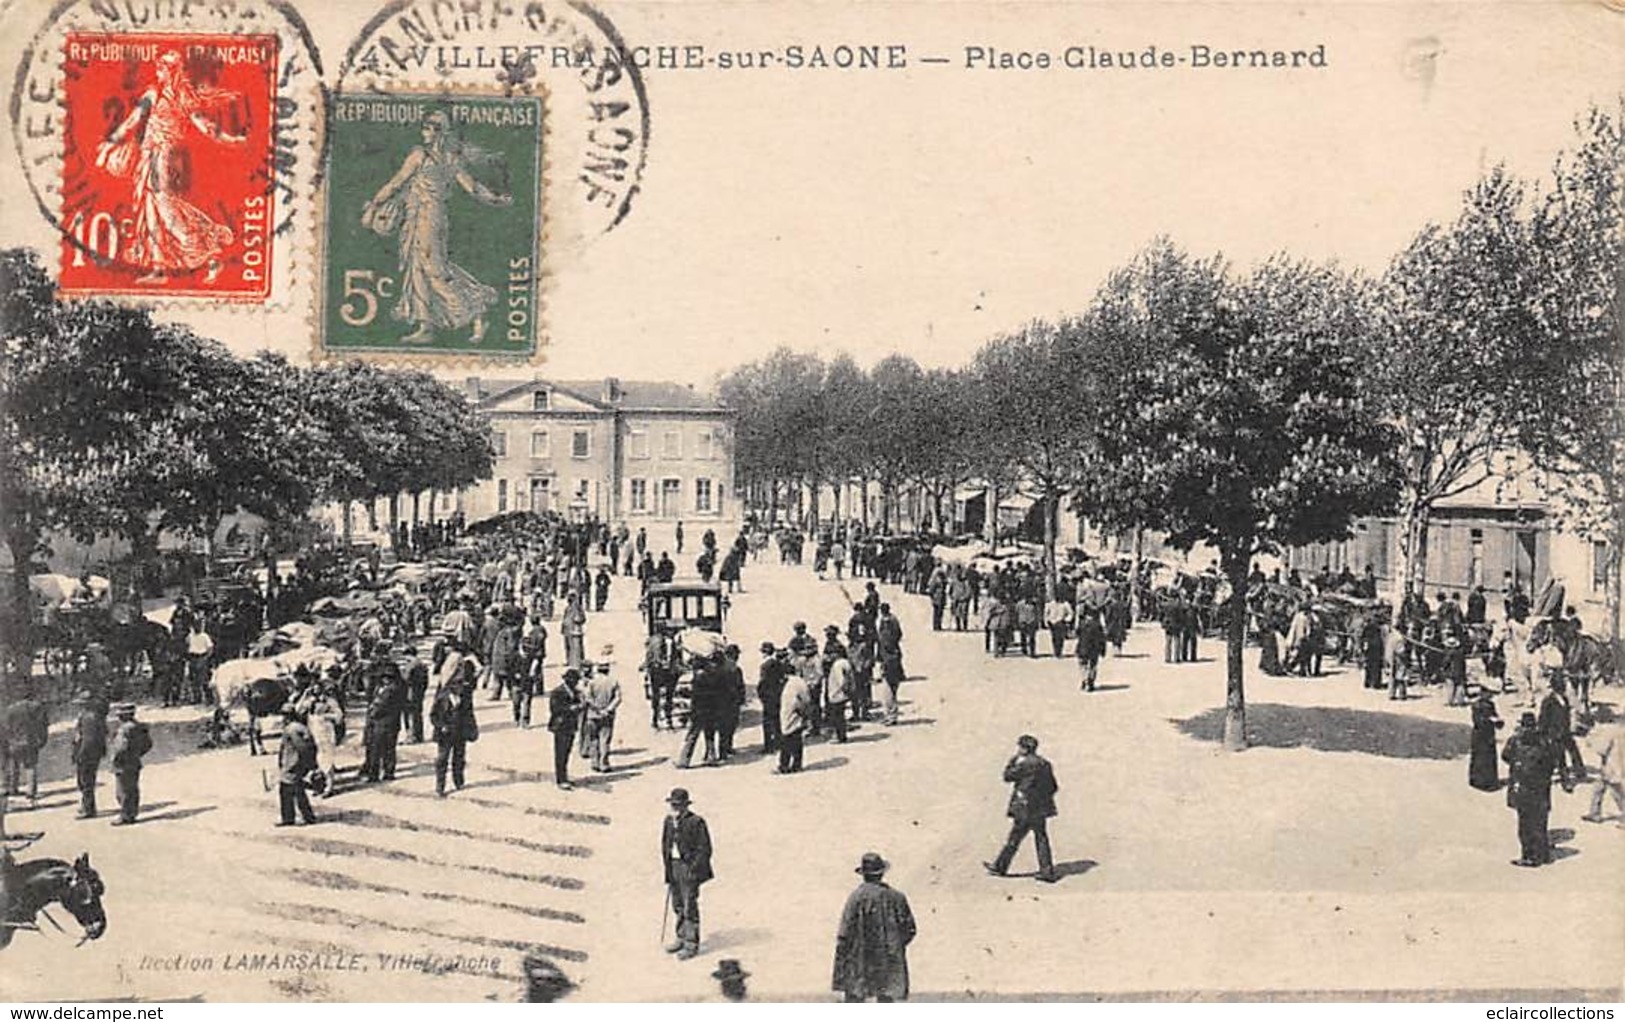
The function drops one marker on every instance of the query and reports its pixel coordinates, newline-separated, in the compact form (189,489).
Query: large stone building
(614,449)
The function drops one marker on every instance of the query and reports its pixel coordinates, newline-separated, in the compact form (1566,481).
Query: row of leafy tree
(118,425)
(1267,409)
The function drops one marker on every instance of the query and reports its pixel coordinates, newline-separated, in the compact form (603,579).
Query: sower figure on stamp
(685,847)
(1032,803)
(871,944)
(436,293)
(149,147)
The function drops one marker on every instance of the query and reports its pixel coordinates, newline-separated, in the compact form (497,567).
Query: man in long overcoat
(454,723)
(871,945)
(685,848)
(1032,803)
(1529,789)
(296,758)
(89,746)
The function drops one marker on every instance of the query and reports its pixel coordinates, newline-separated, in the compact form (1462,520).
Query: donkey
(27,888)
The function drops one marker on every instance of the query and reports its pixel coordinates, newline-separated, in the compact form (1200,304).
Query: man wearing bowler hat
(871,945)
(685,848)
(1032,803)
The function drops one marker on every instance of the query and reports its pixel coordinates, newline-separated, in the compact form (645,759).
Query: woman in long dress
(171,235)
(1483,772)
(435,293)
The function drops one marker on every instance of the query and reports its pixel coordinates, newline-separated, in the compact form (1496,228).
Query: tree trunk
(144,552)
(394,514)
(416,508)
(1235,564)
(990,514)
(349,512)
(1412,571)
(1611,585)
(1052,507)
(1134,572)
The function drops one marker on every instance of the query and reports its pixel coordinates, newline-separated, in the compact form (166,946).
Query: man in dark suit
(89,746)
(1557,728)
(1032,803)
(564,718)
(295,760)
(685,849)
(1531,758)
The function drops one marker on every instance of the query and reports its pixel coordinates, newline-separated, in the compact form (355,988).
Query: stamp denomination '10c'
(167,164)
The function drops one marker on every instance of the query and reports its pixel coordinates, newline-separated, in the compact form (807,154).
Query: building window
(582,486)
(673,445)
(541,490)
(580,443)
(541,446)
(702,446)
(640,496)
(638,444)
(502,495)
(1599,567)
(499,443)
(518,495)
(1475,564)
(702,496)
(540,401)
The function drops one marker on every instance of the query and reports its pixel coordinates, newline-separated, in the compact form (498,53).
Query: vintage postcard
(812,501)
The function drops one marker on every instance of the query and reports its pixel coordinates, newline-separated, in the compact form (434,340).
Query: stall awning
(1017,502)
(968,492)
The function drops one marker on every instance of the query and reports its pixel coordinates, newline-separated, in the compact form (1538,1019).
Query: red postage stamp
(168,165)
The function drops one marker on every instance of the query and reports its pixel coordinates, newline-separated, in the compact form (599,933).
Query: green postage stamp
(432,226)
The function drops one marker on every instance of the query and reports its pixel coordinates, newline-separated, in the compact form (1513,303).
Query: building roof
(635,395)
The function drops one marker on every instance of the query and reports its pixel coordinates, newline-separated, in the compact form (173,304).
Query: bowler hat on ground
(728,968)
(678,797)
(872,865)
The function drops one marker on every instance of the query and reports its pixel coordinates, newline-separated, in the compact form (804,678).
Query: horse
(26,888)
(261,697)
(1585,658)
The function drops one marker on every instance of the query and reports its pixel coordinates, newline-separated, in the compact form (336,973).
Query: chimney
(612,390)
(471,386)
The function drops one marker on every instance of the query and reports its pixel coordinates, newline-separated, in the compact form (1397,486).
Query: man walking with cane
(685,847)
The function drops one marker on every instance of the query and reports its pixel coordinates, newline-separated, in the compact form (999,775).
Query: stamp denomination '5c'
(167,172)
(432,225)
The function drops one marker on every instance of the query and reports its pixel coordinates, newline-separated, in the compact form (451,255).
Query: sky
(927,210)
